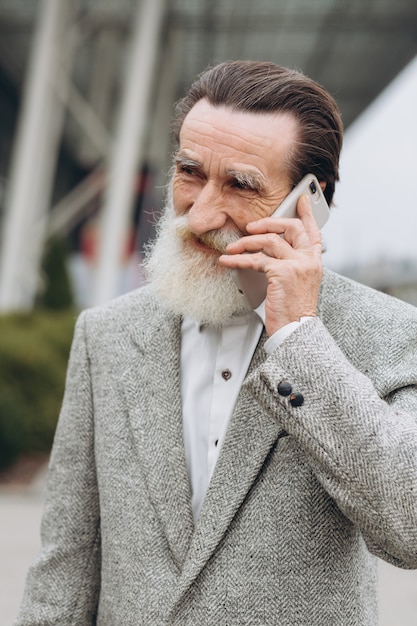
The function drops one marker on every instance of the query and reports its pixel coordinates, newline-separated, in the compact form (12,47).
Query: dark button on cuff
(296,399)
(284,388)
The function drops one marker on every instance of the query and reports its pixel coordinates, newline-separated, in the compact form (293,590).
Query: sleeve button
(284,388)
(296,399)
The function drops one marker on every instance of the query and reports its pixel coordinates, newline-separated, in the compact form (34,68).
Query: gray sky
(375,217)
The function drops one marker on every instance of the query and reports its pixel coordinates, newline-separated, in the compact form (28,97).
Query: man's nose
(208,211)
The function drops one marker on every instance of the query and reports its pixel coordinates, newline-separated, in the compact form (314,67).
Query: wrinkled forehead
(223,117)
(237,137)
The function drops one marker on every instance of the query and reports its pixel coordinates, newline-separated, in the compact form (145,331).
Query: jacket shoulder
(342,298)
(134,306)
(377,332)
(109,328)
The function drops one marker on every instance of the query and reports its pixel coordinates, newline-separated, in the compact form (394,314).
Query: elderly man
(216,465)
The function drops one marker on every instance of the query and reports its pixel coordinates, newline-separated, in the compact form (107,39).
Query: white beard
(192,283)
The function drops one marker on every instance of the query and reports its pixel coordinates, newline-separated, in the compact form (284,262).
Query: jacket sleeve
(360,439)
(62,585)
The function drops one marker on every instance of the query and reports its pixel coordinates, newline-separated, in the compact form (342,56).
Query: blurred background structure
(87,91)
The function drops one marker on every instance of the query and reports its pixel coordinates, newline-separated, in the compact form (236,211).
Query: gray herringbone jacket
(300,497)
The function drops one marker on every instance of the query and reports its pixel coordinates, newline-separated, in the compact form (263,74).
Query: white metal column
(32,169)
(127,153)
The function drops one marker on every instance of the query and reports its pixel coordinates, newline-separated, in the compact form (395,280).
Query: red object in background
(89,242)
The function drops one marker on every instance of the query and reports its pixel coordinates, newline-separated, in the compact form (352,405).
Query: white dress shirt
(214,363)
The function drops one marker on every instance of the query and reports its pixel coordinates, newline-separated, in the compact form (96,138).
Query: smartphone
(252,284)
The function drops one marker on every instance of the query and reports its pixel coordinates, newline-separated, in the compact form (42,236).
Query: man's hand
(292,263)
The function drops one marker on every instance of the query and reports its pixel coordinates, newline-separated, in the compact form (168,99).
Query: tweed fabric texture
(301,499)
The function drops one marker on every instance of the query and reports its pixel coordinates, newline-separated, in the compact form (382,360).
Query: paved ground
(20,515)
(20,512)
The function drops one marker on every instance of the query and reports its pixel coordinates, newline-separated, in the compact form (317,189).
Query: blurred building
(399,279)
(87,89)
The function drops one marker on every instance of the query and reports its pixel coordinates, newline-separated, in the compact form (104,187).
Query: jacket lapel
(152,390)
(152,387)
(250,437)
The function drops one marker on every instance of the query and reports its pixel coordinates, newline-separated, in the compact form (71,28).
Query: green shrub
(34,351)
(57,289)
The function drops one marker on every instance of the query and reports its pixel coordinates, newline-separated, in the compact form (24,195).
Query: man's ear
(323,185)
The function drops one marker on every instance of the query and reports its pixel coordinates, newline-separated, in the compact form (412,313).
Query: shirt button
(226,374)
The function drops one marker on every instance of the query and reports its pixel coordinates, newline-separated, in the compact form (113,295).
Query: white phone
(252,284)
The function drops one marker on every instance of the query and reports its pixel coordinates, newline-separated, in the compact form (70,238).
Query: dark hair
(263,87)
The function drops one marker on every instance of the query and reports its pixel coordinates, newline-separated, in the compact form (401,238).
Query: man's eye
(242,185)
(186,169)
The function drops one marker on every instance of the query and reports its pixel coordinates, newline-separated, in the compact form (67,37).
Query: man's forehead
(240,140)
(214,113)
(269,130)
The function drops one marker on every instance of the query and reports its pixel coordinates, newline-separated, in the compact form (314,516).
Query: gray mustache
(217,240)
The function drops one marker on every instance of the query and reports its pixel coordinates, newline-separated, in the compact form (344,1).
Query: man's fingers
(306,215)
(270,243)
(255,261)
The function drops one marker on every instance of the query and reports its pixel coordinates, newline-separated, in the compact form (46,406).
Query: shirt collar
(260,312)
(237,320)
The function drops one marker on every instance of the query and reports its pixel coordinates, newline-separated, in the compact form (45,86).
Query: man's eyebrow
(251,180)
(182,159)
(248,179)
